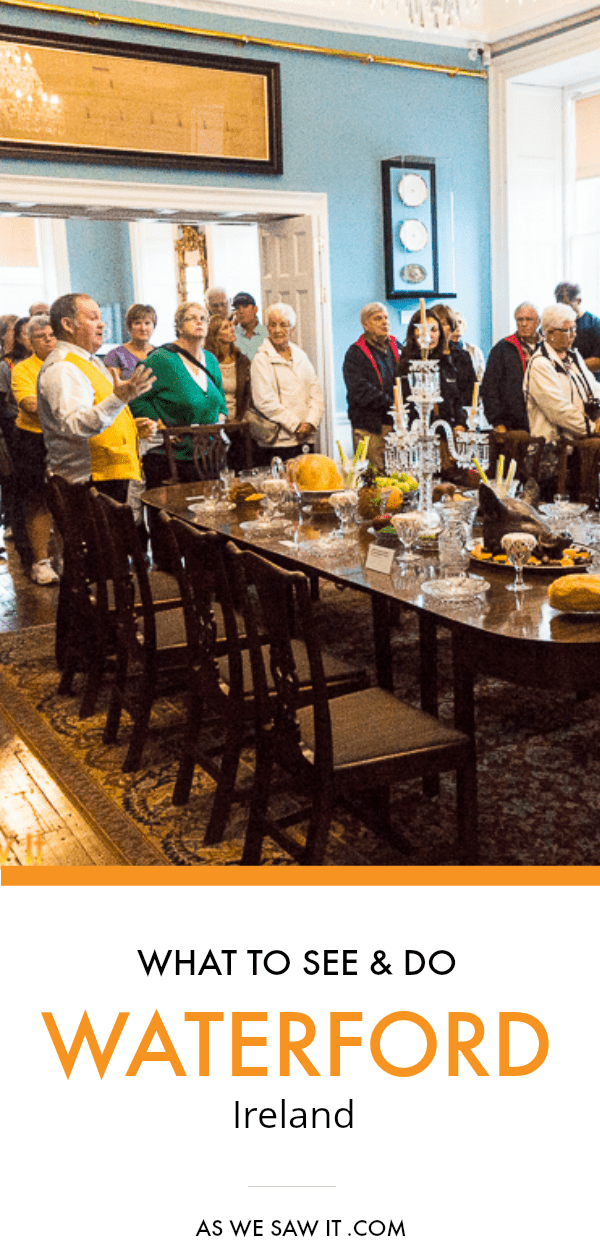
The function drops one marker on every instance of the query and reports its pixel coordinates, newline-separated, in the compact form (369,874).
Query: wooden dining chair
(579,468)
(358,742)
(209,451)
(221,681)
(85,618)
(151,644)
(521,446)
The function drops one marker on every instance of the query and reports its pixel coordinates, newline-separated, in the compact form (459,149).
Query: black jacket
(502,388)
(368,403)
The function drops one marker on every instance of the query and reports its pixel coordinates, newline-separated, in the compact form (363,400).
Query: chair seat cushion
(170,629)
(162,584)
(374,725)
(335,670)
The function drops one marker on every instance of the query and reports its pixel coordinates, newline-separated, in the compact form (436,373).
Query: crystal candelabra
(414,444)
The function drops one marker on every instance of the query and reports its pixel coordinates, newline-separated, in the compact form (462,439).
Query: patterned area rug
(538,765)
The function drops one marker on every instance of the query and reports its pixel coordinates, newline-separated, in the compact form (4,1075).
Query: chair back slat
(209,451)
(267,595)
(203,582)
(127,559)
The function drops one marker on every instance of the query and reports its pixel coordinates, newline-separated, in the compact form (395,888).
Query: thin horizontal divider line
(364,57)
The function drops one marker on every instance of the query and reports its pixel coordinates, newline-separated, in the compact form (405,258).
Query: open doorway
(283,244)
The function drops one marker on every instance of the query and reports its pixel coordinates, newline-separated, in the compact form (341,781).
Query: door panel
(288,274)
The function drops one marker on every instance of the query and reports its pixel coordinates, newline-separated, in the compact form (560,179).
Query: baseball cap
(243,299)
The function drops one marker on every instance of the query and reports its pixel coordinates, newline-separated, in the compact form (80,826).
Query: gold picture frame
(76,99)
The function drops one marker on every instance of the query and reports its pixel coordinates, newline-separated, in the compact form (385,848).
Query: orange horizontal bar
(311,876)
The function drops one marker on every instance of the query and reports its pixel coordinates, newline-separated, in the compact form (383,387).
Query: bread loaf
(577,593)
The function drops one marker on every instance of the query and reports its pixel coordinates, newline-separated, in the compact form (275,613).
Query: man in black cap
(249,333)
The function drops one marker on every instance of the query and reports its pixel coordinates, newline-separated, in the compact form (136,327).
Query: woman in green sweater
(187,390)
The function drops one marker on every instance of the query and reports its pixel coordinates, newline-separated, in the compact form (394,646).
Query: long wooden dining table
(517,638)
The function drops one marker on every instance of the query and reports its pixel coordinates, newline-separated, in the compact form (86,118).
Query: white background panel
(471,1165)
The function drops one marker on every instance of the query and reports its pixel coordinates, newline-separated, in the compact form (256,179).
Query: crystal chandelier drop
(440,12)
(26,108)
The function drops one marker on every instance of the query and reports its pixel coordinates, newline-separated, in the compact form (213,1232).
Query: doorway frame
(507,65)
(196,200)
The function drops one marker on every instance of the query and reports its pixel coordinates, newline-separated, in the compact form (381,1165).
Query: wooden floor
(38,823)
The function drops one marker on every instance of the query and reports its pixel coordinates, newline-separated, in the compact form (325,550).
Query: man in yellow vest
(88,428)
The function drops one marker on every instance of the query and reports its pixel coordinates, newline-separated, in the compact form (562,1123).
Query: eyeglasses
(565,331)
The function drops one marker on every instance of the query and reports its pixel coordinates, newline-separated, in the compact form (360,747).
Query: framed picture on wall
(410,225)
(71,98)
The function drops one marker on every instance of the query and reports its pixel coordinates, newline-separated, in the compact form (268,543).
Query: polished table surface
(518,638)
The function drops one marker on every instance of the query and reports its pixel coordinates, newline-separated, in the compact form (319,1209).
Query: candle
(422,306)
(500,469)
(512,467)
(481,471)
(475,396)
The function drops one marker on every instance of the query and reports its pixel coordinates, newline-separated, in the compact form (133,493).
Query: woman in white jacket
(285,389)
(562,395)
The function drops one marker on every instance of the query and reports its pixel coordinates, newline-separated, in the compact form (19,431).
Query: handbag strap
(173,348)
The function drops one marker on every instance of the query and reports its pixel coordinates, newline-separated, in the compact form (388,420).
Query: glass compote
(408,526)
(518,547)
(344,503)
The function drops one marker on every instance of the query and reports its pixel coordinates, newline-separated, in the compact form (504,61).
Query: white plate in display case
(413,235)
(413,190)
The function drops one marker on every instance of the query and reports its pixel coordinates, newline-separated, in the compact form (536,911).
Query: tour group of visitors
(66,410)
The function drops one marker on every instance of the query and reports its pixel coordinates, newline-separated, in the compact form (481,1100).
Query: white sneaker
(43,573)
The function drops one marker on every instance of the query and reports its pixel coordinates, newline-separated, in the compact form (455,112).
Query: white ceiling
(485,21)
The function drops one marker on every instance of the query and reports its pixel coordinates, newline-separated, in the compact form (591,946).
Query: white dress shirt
(67,413)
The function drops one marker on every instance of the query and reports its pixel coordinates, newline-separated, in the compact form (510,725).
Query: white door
(291,272)
(288,266)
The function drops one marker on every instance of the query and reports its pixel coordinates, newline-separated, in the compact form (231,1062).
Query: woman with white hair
(287,397)
(561,393)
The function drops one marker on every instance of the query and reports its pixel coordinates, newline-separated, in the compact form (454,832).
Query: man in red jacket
(370,370)
(502,385)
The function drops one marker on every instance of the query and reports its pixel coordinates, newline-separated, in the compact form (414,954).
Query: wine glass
(344,502)
(408,526)
(275,489)
(518,547)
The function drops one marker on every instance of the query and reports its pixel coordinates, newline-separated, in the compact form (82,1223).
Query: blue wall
(340,119)
(100,261)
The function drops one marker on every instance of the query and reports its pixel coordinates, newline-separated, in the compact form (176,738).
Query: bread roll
(577,593)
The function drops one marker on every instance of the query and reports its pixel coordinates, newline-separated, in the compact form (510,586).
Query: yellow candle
(481,471)
(475,395)
(500,469)
(422,305)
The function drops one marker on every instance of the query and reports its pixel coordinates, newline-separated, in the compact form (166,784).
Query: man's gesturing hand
(140,382)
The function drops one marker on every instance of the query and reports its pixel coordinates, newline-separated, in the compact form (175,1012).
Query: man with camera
(562,395)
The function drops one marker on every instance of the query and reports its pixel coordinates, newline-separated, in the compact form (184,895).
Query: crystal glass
(452,541)
(344,503)
(593,543)
(274,488)
(518,547)
(408,526)
(227,477)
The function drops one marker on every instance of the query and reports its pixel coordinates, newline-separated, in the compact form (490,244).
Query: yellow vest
(113,452)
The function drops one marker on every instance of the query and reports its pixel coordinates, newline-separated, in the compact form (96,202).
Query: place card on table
(380,558)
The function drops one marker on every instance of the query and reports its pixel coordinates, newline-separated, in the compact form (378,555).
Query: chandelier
(421,12)
(25,106)
(438,11)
